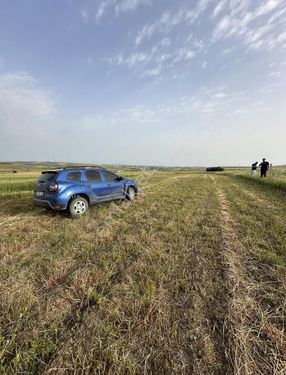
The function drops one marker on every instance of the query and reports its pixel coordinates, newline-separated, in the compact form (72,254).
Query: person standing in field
(254,168)
(264,167)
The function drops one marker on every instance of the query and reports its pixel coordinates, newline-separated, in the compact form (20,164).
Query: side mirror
(119,178)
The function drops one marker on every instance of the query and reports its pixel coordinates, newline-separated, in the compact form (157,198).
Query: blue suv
(76,188)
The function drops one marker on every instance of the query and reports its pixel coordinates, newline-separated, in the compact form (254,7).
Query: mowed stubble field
(188,279)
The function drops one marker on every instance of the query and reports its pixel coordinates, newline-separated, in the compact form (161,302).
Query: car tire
(78,206)
(130,193)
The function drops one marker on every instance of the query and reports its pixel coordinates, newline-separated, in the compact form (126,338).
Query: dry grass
(177,283)
(256,318)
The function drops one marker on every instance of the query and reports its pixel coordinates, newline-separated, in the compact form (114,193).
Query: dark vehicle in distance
(215,169)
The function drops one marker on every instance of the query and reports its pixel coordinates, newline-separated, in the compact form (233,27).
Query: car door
(97,187)
(115,184)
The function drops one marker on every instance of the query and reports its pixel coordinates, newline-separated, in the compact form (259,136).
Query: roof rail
(83,166)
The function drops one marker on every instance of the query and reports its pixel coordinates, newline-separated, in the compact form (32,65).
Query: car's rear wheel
(78,206)
(130,193)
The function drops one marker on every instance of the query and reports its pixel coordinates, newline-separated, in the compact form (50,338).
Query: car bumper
(47,204)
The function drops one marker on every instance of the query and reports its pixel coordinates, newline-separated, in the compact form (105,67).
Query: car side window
(109,176)
(74,176)
(93,176)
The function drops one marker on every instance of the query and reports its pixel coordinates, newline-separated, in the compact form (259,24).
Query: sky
(148,82)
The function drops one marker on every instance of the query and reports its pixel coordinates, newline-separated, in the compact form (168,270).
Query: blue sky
(143,81)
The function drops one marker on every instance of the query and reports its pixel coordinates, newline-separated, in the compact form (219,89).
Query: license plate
(39,193)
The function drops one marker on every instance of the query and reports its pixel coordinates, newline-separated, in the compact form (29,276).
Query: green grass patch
(276,184)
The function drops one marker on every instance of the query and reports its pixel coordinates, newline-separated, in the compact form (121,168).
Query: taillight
(53,186)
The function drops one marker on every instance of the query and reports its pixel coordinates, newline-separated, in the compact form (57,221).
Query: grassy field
(188,279)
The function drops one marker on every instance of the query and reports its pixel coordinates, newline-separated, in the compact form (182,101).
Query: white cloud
(277,16)
(162,58)
(194,14)
(219,95)
(221,28)
(102,8)
(126,6)
(232,21)
(136,58)
(256,34)
(118,7)
(275,74)
(184,54)
(219,8)
(25,110)
(169,20)
(145,63)
(131,60)
(254,26)
(152,72)
(21,97)
(165,42)
(211,106)
(267,7)
(164,24)
(189,50)
(281,37)
(227,51)
(84,15)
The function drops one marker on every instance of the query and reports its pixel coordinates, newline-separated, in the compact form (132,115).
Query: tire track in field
(272,199)
(235,326)
(166,180)
(206,267)
(266,213)
(249,331)
(255,198)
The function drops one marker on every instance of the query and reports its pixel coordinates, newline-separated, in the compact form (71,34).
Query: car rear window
(47,176)
(93,176)
(74,176)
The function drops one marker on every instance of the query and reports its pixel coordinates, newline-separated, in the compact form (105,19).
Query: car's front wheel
(131,193)
(78,206)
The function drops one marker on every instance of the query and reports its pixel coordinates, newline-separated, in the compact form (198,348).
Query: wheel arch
(132,186)
(83,195)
